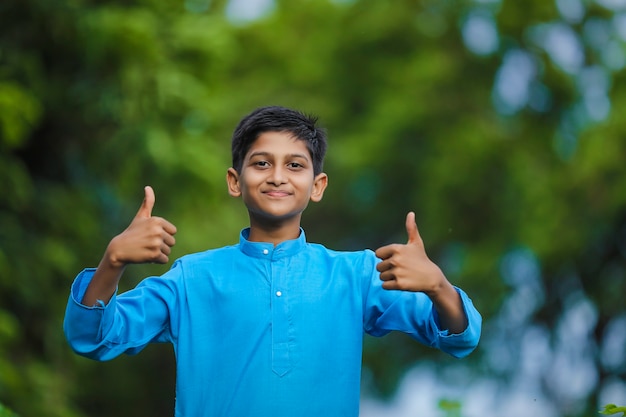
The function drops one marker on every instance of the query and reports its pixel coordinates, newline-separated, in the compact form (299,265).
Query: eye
(261,164)
(295,165)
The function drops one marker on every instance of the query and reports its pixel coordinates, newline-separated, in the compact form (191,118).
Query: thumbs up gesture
(407,267)
(146,239)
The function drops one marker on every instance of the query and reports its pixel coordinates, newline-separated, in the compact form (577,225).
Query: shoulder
(364,257)
(192,266)
(208,256)
(213,254)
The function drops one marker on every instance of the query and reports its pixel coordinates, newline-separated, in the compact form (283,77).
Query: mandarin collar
(268,250)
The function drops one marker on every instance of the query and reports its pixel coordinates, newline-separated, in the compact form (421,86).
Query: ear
(319,185)
(232,180)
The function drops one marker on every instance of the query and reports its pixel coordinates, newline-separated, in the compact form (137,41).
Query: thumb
(411,229)
(148,203)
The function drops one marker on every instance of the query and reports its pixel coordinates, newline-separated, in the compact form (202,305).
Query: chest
(260,293)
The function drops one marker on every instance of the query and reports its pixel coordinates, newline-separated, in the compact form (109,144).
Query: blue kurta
(260,330)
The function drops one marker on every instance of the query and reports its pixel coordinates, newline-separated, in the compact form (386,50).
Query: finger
(386,265)
(166,249)
(387,276)
(391,285)
(148,203)
(162,259)
(411,229)
(161,254)
(169,227)
(385,252)
(383,266)
(169,240)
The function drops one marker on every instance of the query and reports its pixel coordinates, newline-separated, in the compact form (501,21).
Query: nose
(277,176)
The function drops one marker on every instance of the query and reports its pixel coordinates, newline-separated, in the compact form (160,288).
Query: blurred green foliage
(98,98)
(450,408)
(4,412)
(611,409)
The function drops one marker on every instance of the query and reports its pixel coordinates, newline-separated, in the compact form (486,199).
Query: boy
(272,326)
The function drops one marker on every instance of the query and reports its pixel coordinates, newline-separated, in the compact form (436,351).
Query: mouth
(277,193)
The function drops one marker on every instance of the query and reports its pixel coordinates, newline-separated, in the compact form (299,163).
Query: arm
(146,239)
(408,268)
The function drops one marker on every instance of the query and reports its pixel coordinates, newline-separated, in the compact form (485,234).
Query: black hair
(279,119)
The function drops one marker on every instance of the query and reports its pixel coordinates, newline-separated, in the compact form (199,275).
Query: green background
(500,123)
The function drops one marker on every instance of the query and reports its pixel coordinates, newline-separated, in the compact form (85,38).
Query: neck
(275,234)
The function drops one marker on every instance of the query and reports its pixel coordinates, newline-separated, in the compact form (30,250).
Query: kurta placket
(280,322)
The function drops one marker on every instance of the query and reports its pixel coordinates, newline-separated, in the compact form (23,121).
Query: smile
(276,193)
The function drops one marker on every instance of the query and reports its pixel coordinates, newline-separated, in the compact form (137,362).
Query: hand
(146,239)
(407,267)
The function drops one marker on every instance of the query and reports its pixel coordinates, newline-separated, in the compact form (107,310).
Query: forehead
(278,143)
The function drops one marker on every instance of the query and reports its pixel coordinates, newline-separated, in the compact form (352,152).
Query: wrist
(440,289)
(111,259)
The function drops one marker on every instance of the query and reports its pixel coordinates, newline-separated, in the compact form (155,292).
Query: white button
(278,293)
(265,251)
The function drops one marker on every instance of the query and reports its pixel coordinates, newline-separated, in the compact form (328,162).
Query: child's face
(276,180)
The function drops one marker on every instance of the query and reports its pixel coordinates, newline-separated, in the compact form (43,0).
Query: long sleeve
(126,324)
(414,314)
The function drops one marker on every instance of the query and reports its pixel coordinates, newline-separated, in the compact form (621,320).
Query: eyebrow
(288,156)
